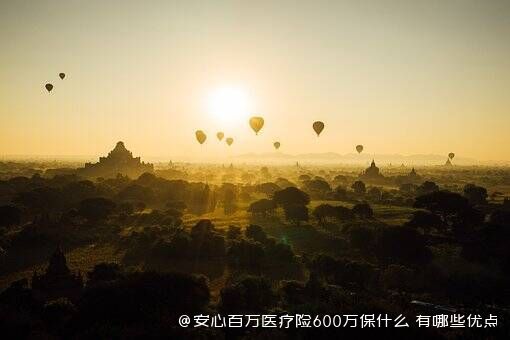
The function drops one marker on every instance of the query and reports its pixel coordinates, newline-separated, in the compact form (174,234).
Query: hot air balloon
(48,87)
(201,136)
(220,135)
(359,148)
(451,155)
(276,145)
(318,126)
(256,124)
(229,141)
(62,75)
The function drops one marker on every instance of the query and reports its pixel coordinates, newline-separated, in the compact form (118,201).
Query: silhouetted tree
(375,193)
(425,220)
(324,211)
(256,233)
(229,202)
(363,210)
(316,187)
(303,178)
(9,216)
(268,188)
(103,272)
(426,187)
(136,192)
(296,213)
(444,203)
(252,295)
(401,245)
(262,207)
(408,188)
(233,232)
(246,254)
(291,196)
(359,187)
(96,209)
(476,195)
(344,213)
(362,238)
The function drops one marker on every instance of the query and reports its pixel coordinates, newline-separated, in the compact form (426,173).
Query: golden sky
(408,77)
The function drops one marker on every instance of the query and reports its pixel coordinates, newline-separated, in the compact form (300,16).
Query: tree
(296,213)
(375,193)
(476,195)
(136,192)
(291,196)
(268,188)
(340,193)
(444,203)
(41,200)
(324,211)
(363,210)
(316,187)
(103,272)
(401,245)
(359,187)
(256,233)
(343,213)
(233,232)
(9,216)
(96,209)
(408,188)
(229,201)
(262,207)
(425,220)
(361,237)
(426,187)
(303,178)
(252,295)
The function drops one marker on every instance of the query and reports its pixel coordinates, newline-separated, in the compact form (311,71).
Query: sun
(229,105)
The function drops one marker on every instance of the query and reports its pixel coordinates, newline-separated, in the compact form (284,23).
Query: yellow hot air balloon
(229,141)
(220,135)
(201,136)
(451,155)
(276,145)
(318,126)
(62,75)
(359,148)
(256,124)
(48,87)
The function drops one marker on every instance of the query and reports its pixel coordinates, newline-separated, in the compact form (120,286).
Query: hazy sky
(397,76)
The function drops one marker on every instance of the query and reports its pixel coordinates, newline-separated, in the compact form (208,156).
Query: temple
(118,161)
(371,173)
(413,177)
(58,280)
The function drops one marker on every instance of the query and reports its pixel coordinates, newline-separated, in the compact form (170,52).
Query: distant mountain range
(353,158)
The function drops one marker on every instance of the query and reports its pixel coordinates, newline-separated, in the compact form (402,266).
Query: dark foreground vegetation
(127,257)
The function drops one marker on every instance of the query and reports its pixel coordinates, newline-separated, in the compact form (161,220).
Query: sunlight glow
(229,105)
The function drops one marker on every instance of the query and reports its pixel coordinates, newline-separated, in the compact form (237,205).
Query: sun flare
(229,105)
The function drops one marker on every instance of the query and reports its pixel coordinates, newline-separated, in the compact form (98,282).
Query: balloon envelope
(201,137)
(220,135)
(256,123)
(451,155)
(48,87)
(359,148)
(229,141)
(318,126)
(276,145)
(62,75)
